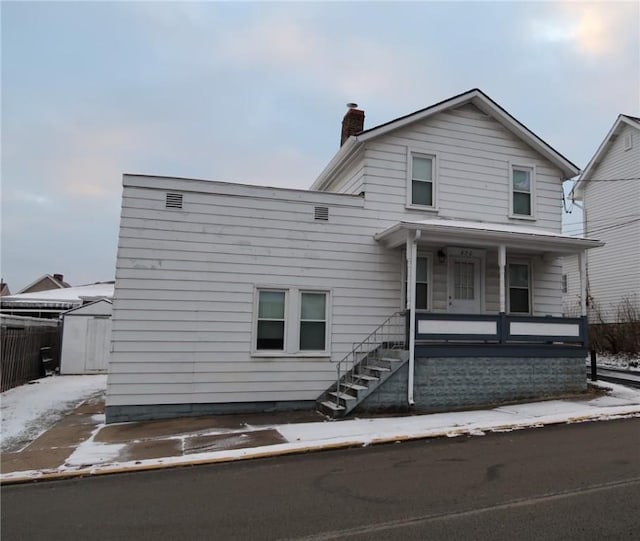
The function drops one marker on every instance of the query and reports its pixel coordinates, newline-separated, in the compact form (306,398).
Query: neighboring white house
(51,303)
(86,338)
(235,298)
(609,189)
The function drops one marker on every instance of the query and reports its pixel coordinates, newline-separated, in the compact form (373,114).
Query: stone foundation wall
(449,383)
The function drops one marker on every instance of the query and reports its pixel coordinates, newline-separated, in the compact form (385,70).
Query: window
(422,176)
(519,288)
(271,320)
(521,191)
(291,321)
(313,321)
(422,283)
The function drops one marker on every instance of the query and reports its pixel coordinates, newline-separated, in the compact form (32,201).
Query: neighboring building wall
(613,269)
(86,339)
(443,384)
(572,297)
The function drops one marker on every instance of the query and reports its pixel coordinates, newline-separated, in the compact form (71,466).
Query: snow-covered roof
(62,298)
(467,232)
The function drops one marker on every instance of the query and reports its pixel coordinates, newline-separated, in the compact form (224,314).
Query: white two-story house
(609,191)
(422,269)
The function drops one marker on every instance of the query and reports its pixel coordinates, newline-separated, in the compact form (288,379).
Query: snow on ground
(94,457)
(29,410)
(625,362)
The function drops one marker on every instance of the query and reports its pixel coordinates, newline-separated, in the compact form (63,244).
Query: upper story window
(522,181)
(421,189)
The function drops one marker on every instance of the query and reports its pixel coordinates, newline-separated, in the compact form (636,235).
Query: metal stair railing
(391,333)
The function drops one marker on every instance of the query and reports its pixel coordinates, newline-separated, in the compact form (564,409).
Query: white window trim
(292,312)
(327,347)
(411,153)
(528,263)
(532,168)
(429,257)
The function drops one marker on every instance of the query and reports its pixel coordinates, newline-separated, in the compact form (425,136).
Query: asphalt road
(568,482)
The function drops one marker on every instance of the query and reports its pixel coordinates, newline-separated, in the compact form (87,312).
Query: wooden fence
(23,351)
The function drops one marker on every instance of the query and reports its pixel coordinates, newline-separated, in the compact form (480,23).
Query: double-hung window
(422,180)
(313,321)
(519,288)
(522,179)
(270,333)
(422,283)
(291,321)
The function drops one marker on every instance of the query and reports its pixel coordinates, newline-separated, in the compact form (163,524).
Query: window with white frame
(522,191)
(422,283)
(422,177)
(290,321)
(519,288)
(313,321)
(270,331)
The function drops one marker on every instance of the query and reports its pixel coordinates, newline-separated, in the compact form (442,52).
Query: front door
(464,285)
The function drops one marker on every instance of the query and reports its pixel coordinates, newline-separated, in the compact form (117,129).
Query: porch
(486,306)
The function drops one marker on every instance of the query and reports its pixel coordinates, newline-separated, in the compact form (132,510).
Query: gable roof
(55,284)
(474,96)
(621,122)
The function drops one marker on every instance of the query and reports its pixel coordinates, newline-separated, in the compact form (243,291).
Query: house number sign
(465,252)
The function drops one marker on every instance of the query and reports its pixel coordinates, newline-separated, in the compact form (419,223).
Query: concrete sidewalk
(80,444)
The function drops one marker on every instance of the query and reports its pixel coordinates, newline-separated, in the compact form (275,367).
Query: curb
(107,470)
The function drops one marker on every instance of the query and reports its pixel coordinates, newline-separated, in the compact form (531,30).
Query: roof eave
(351,145)
(561,245)
(578,189)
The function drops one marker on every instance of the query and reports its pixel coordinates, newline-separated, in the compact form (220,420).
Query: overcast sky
(255,92)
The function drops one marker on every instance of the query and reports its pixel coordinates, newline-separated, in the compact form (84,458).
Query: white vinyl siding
(611,208)
(186,282)
(474,158)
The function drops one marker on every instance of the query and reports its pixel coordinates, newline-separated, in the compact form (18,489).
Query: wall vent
(628,141)
(173,201)
(321,213)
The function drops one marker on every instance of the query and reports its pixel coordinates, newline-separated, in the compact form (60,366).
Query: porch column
(582,263)
(412,256)
(502,262)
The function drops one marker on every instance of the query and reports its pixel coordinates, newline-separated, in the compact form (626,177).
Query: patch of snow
(90,452)
(29,410)
(620,361)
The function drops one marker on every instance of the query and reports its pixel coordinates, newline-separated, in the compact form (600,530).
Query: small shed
(86,338)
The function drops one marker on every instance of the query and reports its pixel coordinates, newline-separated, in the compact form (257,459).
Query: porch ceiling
(485,235)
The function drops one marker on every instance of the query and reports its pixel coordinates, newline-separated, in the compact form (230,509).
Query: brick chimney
(352,123)
(59,277)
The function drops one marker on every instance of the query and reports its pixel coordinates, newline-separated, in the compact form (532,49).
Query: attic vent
(174,201)
(321,213)
(628,142)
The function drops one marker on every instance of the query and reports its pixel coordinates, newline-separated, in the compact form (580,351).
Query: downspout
(412,249)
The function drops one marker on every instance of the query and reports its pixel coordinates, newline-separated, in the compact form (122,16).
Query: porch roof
(486,235)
